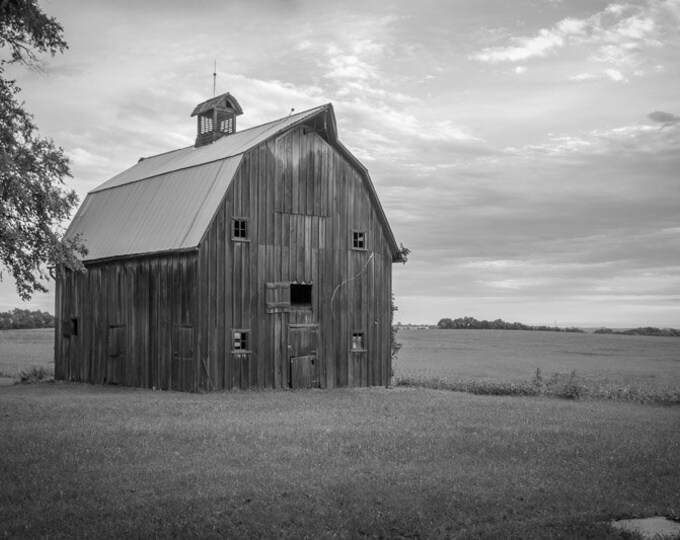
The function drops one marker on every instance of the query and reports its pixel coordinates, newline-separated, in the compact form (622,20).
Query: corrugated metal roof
(228,146)
(167,212)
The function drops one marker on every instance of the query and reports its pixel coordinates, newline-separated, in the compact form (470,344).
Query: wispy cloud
(618,33)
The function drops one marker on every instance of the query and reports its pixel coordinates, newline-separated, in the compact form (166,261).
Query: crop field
(605,365)
(108,462)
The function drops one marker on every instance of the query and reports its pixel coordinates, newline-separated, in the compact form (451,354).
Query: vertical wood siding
(127,313)
(302,200)
(167,321)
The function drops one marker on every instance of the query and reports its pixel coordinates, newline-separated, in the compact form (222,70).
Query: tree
(33,199)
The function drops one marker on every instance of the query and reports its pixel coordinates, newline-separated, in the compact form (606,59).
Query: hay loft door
(302,348)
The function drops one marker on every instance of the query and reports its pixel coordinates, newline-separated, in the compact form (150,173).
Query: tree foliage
(33,199)
(23,318)
(470,323)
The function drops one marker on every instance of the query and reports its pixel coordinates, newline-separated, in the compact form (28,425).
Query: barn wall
(135,323)
(302,200)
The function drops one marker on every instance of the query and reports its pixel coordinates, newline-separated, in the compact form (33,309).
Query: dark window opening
(300,295)
(241,340)
(358,343)
(74,326)
(358,240)
(240,229)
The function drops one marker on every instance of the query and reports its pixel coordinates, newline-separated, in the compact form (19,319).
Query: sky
(526,152)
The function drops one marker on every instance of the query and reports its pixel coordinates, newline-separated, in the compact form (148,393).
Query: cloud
(619,33)
(583,77)
(665,118)
(589,216)
(615,75)
(525,48)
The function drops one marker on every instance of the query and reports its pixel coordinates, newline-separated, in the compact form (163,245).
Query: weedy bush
(572,389)
(35,374)
(478,387)
(557,385)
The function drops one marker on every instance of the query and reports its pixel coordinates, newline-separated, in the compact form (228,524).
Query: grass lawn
(92,461)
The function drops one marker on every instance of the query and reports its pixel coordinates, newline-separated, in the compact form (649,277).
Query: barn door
(302,347)
(115,365)
(182,376)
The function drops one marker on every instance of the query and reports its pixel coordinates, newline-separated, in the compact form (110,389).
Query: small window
(241,340)
(300,295)
(69,327)
(358,240)
(358,343)
(239,229)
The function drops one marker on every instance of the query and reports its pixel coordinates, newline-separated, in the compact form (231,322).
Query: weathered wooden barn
(256,258)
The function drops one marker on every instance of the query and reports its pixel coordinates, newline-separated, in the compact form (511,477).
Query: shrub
(35,374)
(572,389)
(558,385)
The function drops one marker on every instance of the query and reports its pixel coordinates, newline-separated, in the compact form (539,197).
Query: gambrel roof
(166,202)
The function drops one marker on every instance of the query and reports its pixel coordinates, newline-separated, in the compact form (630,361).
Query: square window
(239,229)
(358,343)
(358,240)
(300,295)
(241,340)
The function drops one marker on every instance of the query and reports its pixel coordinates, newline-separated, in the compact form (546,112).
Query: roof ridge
(306,111)
(223,148)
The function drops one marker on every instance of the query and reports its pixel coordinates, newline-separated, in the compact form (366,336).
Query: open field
(515,355)
(22,349)
(465,354)
(92,461)
(607,366)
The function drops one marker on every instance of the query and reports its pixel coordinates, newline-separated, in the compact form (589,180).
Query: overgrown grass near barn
(107,462)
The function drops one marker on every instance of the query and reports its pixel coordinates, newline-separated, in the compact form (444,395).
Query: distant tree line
(470,323)
(642,331)
(24,318)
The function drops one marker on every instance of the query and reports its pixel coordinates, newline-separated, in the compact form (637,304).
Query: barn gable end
(279,274)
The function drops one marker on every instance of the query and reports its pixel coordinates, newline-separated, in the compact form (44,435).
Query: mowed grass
(93,461)
(106,462)
(20,350)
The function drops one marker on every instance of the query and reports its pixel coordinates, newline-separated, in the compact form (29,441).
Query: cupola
(216,118)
